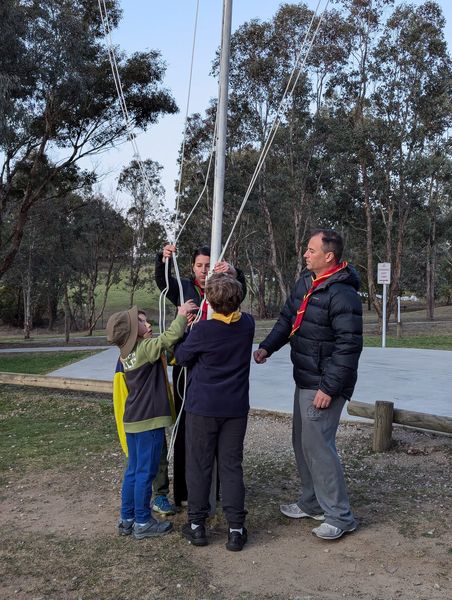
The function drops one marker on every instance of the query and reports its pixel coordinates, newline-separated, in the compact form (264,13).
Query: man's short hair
(224,293)
(331,242)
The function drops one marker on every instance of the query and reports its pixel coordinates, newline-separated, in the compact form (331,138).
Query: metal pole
(220,153)
(218,186)
(383,328)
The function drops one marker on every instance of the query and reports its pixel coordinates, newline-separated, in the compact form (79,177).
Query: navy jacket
(218,359)
(325,349)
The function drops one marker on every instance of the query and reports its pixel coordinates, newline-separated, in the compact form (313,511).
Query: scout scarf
(232,317)
(315,284)
(204,305)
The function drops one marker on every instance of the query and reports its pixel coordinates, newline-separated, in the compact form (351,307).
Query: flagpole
(220,153)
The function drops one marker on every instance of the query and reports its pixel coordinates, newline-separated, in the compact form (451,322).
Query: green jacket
(148,405)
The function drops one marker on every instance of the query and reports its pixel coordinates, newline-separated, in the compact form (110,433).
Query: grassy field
(429,342)
(52,429)
(39,363)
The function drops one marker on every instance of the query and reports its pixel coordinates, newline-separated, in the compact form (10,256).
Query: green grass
(119,297)
(432,342)
(39,363)
(42,430)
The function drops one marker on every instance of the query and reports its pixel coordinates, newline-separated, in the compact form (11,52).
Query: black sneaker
(196,536)
(125,526)
(237,540)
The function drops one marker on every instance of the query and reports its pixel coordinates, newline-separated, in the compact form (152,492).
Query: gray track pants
(322,478)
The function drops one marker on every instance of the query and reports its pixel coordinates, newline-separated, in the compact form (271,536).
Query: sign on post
(384,273)
(384,278)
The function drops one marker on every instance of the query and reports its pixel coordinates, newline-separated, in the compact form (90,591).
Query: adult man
(323,320)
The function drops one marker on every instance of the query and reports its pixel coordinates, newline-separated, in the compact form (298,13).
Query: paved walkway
(419,380)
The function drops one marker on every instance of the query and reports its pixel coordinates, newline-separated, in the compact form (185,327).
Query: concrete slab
(419,380)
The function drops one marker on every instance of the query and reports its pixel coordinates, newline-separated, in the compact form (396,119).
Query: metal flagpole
(218,185)
(220,154)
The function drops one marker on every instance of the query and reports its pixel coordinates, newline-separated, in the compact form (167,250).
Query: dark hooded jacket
(189,289)
(325,349)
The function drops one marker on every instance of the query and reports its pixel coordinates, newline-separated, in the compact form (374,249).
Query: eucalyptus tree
(58,98)
(264,57)
(142,183)
(100,250)
(412,107)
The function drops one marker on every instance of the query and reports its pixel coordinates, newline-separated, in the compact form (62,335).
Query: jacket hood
(349,276)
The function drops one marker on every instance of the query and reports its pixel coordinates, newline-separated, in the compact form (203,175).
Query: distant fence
(384,415)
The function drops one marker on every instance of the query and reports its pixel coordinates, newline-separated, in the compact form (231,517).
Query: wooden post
(383,425)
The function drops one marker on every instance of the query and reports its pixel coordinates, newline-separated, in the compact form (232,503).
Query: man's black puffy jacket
(188,284)
(326,348)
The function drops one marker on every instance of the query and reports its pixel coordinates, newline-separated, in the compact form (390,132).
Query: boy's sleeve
(154,347)
(187,351)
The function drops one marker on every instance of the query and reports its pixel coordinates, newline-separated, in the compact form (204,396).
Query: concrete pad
(419,380)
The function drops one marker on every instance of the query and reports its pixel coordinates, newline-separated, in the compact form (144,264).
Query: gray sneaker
(152,528)
(125,526)
(294,512)
(330,532)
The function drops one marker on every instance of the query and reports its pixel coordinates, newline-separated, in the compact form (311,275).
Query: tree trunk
(272,241)
(67,314)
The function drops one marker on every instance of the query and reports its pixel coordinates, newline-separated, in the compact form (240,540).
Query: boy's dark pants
(204,436)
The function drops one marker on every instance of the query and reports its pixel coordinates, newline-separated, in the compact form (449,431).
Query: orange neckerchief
(316,282)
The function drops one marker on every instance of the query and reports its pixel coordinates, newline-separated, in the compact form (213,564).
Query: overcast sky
(168,27)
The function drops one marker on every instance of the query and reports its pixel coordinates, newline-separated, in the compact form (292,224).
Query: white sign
(384,273)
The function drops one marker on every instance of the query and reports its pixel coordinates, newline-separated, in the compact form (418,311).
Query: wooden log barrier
(404,417)
(60,383)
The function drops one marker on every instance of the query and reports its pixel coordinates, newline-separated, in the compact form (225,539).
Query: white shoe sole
(333,537)
(301,515)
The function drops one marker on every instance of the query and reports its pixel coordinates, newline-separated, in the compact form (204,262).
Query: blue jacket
(218,357)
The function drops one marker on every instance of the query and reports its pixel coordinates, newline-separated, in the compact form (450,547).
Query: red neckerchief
(315,283)
(205,305)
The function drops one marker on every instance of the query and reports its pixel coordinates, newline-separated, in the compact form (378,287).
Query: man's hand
(321,400)
(169,250)
(186,308)
(260,355)
(224,267)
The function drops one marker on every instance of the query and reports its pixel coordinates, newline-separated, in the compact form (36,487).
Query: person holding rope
(217,353)
(193,288)
(160,485)
(322,319)
(147,413)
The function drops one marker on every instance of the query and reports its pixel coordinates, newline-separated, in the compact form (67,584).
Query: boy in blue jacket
(147,413)
(217,353)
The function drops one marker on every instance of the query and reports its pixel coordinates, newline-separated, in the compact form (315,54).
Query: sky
(168,27)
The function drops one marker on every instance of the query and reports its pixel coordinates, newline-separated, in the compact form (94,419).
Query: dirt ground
(59,541)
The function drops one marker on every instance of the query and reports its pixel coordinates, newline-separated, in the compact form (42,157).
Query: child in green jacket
(147,413)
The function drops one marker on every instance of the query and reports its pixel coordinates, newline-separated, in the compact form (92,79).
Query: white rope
(160,212)
(212,152)
(186,110)
(288,92)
